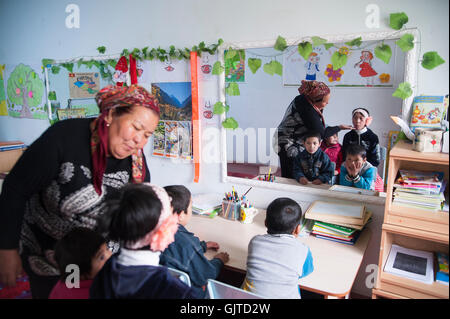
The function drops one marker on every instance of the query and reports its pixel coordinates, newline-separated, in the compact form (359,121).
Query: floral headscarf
(314,90)
(108,98)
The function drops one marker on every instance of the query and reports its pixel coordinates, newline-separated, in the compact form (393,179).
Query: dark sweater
(116,281)
(49,191)
(299,118)
(367,139)
(313,166)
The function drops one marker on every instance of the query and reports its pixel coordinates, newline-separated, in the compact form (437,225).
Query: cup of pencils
(231,206)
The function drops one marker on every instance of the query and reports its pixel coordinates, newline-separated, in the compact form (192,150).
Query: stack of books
(338,221)
(208,204)
(422,190)
(442,269)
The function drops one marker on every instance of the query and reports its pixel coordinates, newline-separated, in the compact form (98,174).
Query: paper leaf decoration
(328,45)
(273,67)
(268,68)
(233,89)
(219,108)
(254,64)
(355,42)
(101,49)
(406,42)
(55,69)
(431,60)
(316,41)
(217,68)
(383,52)
(230,54)
(338,60)
(403,91)
(230,123)
(397,20)
(305,49)
(280,44)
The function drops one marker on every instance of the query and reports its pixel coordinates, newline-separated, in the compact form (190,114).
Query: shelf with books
(403,286)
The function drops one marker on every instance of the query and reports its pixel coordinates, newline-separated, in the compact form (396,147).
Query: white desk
(335,265)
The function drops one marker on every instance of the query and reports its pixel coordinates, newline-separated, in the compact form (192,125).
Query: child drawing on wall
(312,66)
(365,64)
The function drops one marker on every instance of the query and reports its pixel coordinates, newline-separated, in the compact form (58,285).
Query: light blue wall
(32,30)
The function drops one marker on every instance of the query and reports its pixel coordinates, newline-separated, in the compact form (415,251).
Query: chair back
(184,277)
(220,290)
(383,155)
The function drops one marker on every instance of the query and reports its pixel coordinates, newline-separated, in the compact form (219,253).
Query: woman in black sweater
(63,179)
(303,115)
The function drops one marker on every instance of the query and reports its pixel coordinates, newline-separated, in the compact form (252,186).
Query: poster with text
(159,139)
(84,85)
(171,139)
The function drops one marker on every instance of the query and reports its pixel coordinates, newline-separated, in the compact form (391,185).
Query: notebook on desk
(337,212)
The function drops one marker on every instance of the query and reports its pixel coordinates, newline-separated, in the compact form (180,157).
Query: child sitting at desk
(87,250)
(312,164)
(356,170)
(278,259)
(331,146)
(139,217)
(186,253)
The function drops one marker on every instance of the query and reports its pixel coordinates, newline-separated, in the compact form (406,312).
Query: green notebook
(340,229)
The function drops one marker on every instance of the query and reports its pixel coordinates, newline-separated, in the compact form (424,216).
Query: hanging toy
(120,76)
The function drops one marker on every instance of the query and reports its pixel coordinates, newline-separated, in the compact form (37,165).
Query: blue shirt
(365,179)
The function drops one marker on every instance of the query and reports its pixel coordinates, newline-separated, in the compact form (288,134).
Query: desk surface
(335,265)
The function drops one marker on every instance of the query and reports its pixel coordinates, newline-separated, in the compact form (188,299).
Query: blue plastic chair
(220,290)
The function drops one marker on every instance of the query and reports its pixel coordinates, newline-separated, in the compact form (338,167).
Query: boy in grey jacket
(278,259)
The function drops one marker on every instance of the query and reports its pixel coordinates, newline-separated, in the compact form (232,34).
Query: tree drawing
(25,88)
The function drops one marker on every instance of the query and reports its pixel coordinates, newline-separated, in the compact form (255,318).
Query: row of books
(338,221)
(417,189)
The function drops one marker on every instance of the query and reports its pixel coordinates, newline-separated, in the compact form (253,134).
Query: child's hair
(356,149)
(361,108)
(132,212)
(79,246)
(310,134)
(181,197)
(283,215)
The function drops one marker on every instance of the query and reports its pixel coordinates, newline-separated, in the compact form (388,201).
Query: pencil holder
(247,214)
(230,210)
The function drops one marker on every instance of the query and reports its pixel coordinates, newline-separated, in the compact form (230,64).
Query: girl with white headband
(140,218)
(364,136)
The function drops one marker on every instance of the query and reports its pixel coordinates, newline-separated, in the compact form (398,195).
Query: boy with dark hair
(356,171)
(277,259)
(312,164)
(186,253)
(82,248)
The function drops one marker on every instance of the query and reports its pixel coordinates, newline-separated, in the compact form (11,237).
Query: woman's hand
(212,245)
(10,267)
(317,182)
(346,127)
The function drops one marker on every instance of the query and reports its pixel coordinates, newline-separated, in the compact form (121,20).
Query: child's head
(181,202)
(82,247)
(312,141)
(331,135)
(283,216)
(139,215)
(355,154)
(361,118)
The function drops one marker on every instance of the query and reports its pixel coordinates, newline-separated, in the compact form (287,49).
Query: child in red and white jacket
(330,145)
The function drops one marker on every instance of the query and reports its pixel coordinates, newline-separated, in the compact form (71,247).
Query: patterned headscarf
(108,98)
(163,234)
(314,90)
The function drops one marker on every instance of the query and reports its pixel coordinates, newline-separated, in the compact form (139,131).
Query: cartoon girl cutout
(366,67)
(312,66)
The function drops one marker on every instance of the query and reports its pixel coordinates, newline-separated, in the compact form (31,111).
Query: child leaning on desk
(278,259)
(356,171)
(186,253)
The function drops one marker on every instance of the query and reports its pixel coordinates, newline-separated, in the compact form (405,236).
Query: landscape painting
(175,100)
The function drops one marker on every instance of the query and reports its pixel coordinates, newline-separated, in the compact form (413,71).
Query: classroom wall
(32,30)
